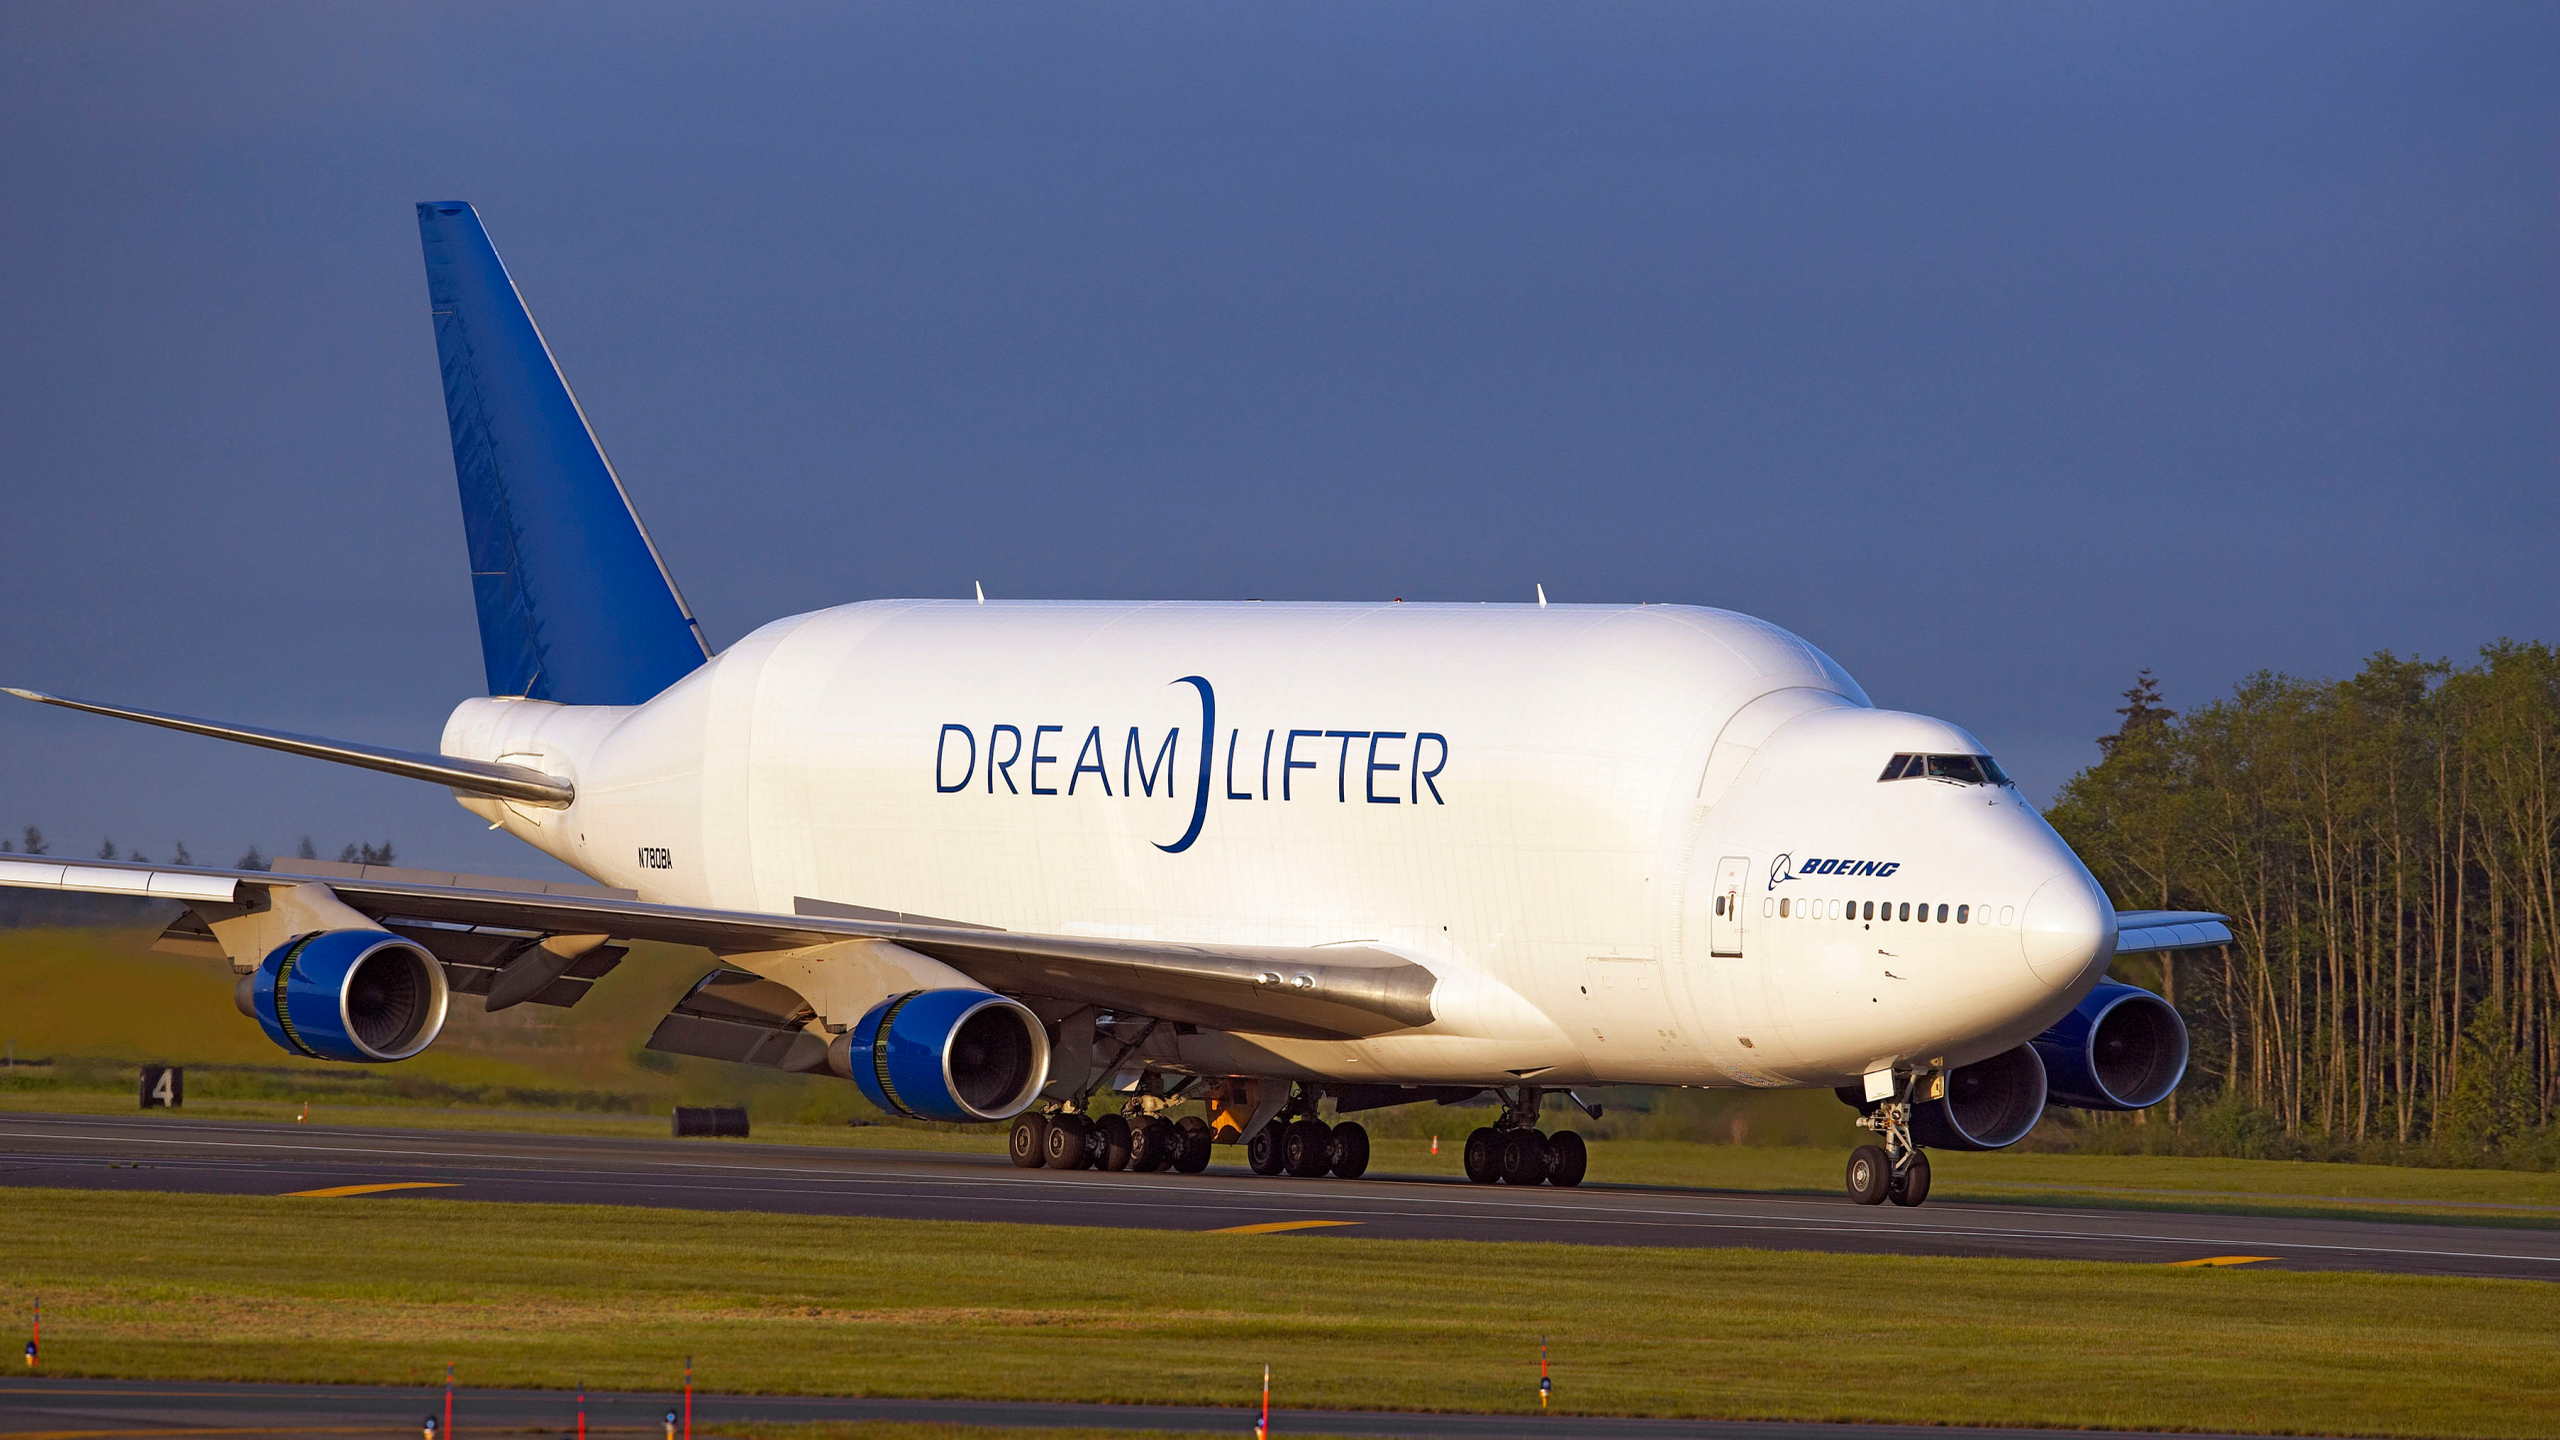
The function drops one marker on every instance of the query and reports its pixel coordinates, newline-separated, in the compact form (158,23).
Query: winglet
(575,604)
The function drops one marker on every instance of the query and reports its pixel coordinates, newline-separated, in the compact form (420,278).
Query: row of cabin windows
(1794,909)
(1961,769)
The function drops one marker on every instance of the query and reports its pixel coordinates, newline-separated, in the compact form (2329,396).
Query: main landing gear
(1512,1151)
(1294,1142)
(1065,1140)
(1897,1170)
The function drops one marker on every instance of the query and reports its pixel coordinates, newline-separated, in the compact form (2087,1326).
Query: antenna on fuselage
(1542,597)
(982,591)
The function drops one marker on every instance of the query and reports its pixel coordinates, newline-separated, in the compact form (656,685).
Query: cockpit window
(1960,769)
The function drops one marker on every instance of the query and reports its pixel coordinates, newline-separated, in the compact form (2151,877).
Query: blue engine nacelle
(2123,1048)
(362,995)
(1987,1105)
(955,1055)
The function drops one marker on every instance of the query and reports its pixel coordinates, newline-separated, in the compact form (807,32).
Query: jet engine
(2123,1048)
(360,995)
(1988,1105)
(953,1055)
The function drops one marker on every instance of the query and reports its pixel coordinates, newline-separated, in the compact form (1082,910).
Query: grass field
(387,1291)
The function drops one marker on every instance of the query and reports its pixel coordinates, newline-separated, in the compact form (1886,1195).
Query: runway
(248,1158)
(73,1409)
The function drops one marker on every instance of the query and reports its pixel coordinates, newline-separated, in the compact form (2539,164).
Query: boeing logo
(1394,767)
(1781,869)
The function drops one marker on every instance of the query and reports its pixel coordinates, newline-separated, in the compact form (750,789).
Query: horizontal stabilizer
(471,777)
(2139,931)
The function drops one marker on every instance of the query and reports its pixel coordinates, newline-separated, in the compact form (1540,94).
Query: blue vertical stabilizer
(575,605)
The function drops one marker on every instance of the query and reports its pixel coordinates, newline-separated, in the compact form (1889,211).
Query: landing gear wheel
(1064,1146)
(1567,1158)
(1028,1141)
(1262,1153)
(1112,1138)
(1153,1144)
(1523,1157)
(1347,1150)
(1306,1148)
(1484,1156)
(1912,1186)
(1193,1156)
(1870,1174)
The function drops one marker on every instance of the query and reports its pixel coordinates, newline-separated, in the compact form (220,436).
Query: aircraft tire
(1262,1153)
(1523,1157)
(1114,1137)
(1306,1151)
(1153,1144)
(1193,1157)
(1870,1174)
(1063,1148)
(1027,1145)
(1483,1158)
(1567,1159)
(1911,1187)
(1347,1150)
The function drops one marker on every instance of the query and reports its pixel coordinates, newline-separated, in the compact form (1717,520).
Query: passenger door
(1724,925)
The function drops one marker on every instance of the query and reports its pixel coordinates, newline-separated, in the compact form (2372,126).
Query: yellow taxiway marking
(340,1192)
(1273,1227)
(2220,1260)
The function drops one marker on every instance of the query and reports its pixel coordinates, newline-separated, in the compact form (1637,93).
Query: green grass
(387,1290)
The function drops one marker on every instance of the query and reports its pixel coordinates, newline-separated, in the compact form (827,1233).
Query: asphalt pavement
(159,1151)
(74,1409)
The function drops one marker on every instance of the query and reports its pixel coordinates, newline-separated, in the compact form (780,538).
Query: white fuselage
(1585,819)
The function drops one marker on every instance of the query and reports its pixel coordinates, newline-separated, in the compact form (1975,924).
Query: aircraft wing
(479,923)
(2144,930)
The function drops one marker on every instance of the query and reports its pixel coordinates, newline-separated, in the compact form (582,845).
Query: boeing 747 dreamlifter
(992,860)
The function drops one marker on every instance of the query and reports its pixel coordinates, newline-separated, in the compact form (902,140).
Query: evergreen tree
(2142,711)
(33,841)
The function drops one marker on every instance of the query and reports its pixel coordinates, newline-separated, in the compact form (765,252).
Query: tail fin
(575,604)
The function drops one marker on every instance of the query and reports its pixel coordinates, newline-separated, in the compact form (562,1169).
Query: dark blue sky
(1997,349)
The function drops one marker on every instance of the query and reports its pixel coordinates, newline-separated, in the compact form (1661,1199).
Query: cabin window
(1961,912)
(1719,905)
(1871,910)
(1924,914)
(1942,914)
(1906,909)
(1782,909)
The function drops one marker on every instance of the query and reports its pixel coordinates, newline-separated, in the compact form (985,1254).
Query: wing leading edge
(2141,931)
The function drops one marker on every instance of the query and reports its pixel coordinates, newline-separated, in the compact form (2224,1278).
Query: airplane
(992,860)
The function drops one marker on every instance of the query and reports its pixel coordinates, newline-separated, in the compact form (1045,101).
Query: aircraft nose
(2069,928)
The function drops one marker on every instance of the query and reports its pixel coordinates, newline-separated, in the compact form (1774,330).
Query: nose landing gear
(1897,1170)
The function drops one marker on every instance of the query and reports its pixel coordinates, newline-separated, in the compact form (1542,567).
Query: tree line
(32,841)
(2385,848)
